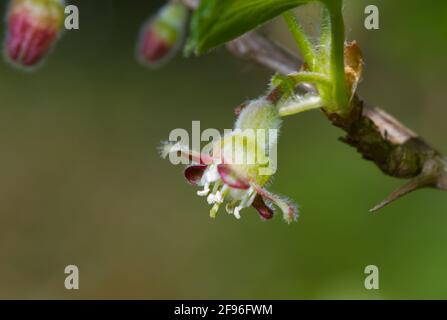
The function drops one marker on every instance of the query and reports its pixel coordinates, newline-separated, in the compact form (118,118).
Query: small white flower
(237,185)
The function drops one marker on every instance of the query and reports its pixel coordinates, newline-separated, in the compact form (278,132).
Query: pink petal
(231,178)
(194,173)
(289,209)
(264,211)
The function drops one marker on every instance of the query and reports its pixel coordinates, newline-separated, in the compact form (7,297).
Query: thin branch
(255,47)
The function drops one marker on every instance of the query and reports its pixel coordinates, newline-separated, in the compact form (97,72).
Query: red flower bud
(32,28)
(162,35)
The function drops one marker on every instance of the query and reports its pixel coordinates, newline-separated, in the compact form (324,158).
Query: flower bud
(33,27)
(162,35)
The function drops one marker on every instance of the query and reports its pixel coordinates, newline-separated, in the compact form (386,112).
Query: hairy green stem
(297,106)
(310,77)
(324,42)
(337,61)
(302,41)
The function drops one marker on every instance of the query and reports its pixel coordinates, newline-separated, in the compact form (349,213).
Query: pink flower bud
(33,27)
(162,35)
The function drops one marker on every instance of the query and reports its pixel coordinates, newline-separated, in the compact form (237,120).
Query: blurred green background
(81,181)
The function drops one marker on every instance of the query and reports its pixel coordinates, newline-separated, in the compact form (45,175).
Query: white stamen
(246,201)
(229,208)
(205,191)
(236,212)
(210,198)
(215,198)
(218,198)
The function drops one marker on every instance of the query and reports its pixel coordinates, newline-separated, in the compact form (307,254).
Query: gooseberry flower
(162,35)
(33,26)
(239,184)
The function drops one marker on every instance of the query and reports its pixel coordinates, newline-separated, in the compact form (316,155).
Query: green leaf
(218,21)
